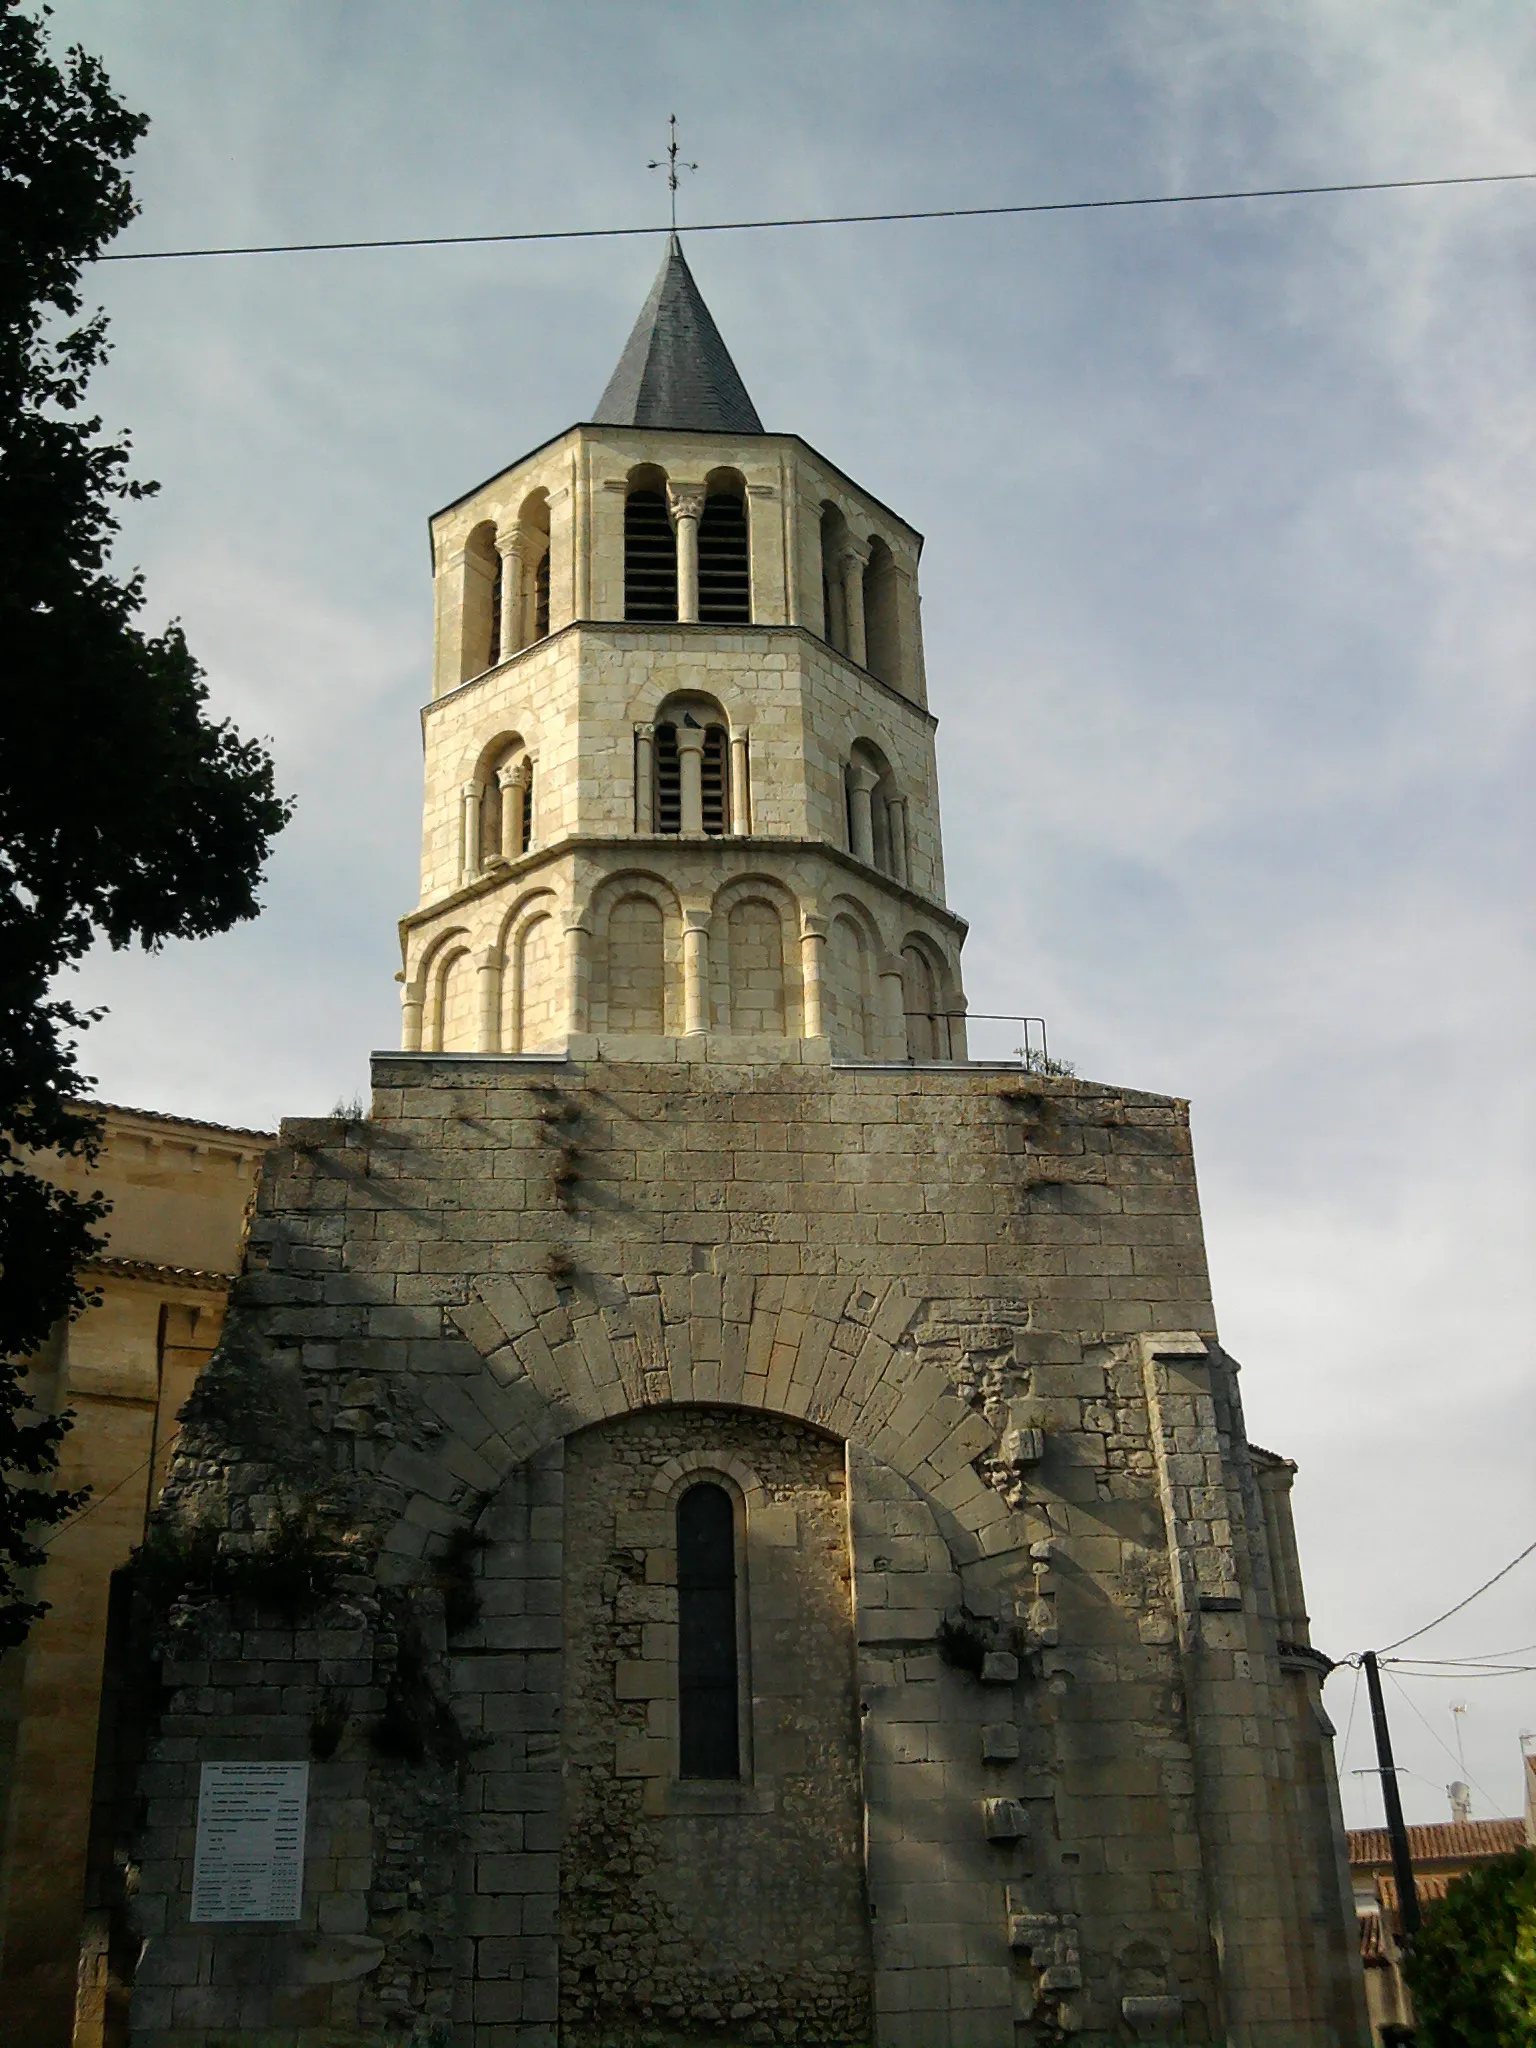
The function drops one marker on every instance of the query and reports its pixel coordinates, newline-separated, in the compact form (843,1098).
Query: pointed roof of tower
(675,370)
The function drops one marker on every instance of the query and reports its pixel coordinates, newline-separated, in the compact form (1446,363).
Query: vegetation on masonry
(169,813)
(292,1567)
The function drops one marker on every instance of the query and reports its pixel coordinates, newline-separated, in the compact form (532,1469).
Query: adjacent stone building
(180,1191)
(742,1511)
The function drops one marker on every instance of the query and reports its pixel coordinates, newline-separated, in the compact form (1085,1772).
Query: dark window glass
(669,781)
(493,652)
(650,558)
(527,810)
(541,597)
(725,593)
(706,1635)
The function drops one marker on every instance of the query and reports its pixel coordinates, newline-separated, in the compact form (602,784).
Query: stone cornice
(751,851)
(650,629)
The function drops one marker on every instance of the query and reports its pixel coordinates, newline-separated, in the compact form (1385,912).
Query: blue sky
(1228,593)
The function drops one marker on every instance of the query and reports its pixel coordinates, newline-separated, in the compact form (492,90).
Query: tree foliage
(1472,1970)
(126,812)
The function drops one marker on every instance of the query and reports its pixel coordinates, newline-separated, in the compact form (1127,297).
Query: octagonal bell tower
(680,783)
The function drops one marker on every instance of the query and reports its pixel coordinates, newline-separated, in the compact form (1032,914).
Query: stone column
(578,974)
(695,972)
(893,1007)
(413,999)
(690,764)
(896,826)
(852,561)
(862,784)
(686,504)
(741,796)
(488,1003)
(813,939)
(513,784)
(469,832)
(513,608)
(645,779)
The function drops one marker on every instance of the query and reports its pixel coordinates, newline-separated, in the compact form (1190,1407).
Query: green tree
(1472,1971)
(126,812)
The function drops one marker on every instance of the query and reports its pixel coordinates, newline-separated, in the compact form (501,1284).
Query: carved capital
(511,543)
(685,501)
(853,556)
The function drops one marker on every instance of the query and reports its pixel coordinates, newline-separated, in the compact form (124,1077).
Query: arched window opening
(725,588)
(541,598)
(480,648)
(505,781)
(691,769)
(714,782)
(874,811)
(882,641)
(669,781)
(708,1710)
(650,558)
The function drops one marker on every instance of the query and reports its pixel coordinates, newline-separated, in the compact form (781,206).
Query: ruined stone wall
(1085,1794)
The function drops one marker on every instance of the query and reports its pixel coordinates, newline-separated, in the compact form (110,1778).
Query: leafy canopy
(1472,1970)
(126,812)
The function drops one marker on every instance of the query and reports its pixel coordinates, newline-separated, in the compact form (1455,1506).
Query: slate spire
(675,370)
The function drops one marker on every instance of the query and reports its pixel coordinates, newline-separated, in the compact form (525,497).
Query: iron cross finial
(672,166)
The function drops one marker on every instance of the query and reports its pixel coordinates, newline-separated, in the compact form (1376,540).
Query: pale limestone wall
(686,1900)
(573,489)
(1091,1800)
(179,1191)
(575,700)
(465,963)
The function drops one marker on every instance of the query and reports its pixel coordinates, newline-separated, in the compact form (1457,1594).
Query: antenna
(672,166)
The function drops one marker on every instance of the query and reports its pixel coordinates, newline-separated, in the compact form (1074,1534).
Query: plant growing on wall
(126,812)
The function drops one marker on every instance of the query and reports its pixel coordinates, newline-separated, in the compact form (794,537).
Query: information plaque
(249,1863)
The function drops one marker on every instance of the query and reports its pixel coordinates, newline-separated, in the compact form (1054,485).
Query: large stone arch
(535,1369)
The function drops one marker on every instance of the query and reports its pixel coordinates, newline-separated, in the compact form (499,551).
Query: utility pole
(1402,1862)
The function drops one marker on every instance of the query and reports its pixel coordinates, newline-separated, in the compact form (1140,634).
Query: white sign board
(250,1842)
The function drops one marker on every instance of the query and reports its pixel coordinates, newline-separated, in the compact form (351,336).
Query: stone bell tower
(680,777)
(782,1558)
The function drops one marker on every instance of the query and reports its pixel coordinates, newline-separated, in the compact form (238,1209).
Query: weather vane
(672,166)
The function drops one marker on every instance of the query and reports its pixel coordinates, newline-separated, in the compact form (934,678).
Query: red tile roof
(1445,1841)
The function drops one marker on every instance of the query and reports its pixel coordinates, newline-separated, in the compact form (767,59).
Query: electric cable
(100,1500)
(1492,1802)
(822,220)
(1424,1631)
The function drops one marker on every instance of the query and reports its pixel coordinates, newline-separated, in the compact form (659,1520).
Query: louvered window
(650,558)
(707,1704)
(541,597)
(669,781)
(714,772)
(725,595)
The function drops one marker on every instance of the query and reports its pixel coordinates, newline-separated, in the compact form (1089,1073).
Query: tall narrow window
(541,598)
(669,781)
(527,808)
(707,1710)
(494,652)
(725,593)
(650,558)
(714,781)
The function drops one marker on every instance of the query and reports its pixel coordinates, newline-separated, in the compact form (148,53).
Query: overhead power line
(820,220)
(1483,1588)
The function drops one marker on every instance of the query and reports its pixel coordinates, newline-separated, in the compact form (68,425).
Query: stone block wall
(1088,1802)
